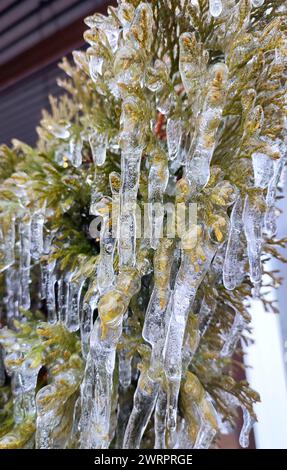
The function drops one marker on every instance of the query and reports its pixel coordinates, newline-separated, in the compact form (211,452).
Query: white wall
(267,376)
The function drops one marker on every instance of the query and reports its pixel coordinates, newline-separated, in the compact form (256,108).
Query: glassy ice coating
(215,7)
(134,234)
(257,3)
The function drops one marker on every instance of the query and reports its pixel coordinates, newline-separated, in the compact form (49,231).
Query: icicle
(248,423)
(12,280)
(87,394)
(173,137)
(160,421)
(103,353)
(104,339)
(62,288)
(47,242)
(90,303)
(156,318)
(144,400)
(154,332)
(233,267)
(196,258)
(105,269)
(205,316)
(44,277)
(25,258)
(253,218)
(270,216)
(215,7)
(24,383)
(263,169)
(7,242)
(257,3)
(125,370)
(37,241)
(181,439)
(134,126)
(157,182)
(50,292)
(125,359)
(76,145)
(98,144)
(233,335)
(74,298)
(131,159)
(205,437)
(115,185)
(124,411)
(203,145)
(74,438)
(13,290)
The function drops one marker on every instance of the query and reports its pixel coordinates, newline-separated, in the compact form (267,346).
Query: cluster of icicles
(167,313)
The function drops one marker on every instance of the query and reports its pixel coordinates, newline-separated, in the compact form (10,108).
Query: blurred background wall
(34,35)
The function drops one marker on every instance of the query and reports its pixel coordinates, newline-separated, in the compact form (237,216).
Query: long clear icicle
(203,144)
(8,265)
(103,353)
(13,291)
(131,159)
(96,406)
(233,267)
(233,335)
(103,342)
(90,303)
(105,269)
(248,423)
(76,145)
(143,404)
(86,397)
(157,183)
(188,279)
(154,332)
(125,360)
(98,143)
(72,320)
(253,218)
(133,127)
(25,259)
(37,234)
(270,216)
(50,284)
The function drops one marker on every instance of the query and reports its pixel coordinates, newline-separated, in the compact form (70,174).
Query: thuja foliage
(114,340)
